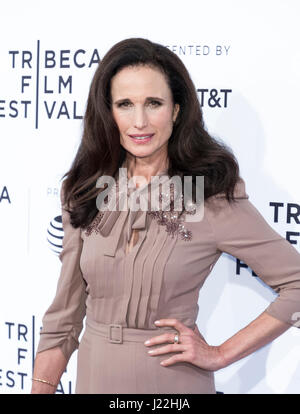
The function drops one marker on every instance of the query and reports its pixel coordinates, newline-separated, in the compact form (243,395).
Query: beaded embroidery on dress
(173,220)
(94,226)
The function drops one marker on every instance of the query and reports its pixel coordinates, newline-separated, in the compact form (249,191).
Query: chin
(138,152)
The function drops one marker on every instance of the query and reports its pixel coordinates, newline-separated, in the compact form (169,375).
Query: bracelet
(44,381)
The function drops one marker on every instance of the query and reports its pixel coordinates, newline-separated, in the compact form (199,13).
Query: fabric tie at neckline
(135,204)
(137,220)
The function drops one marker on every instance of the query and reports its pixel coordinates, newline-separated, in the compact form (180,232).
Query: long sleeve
(63,321)
(240,230)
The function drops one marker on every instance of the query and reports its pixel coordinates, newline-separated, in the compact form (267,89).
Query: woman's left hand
(193,347)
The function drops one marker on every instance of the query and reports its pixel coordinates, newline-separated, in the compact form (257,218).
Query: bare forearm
(264,329)
(49,365)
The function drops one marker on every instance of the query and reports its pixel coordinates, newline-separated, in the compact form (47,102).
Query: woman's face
(142,105)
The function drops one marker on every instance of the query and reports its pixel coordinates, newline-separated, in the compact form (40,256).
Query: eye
(155,103)
(124,104)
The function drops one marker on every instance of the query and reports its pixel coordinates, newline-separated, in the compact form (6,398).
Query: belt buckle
(120,339)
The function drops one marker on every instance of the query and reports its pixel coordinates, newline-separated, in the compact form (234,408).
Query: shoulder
(239,191)
(219,202)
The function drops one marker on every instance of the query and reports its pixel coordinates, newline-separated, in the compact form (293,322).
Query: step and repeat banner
(244,59)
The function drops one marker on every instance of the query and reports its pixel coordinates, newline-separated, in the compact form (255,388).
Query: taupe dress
(130,268)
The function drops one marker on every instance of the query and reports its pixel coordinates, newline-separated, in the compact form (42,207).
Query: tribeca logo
(137,198)
(46,83)
(16,369)
(288,213)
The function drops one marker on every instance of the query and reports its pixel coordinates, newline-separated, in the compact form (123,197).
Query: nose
(140,118)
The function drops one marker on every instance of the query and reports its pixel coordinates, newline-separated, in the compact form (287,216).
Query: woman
(136,274)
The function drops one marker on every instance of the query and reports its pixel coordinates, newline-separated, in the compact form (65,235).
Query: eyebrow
(149,98)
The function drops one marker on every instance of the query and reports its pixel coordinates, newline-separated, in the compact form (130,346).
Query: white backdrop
(48,55)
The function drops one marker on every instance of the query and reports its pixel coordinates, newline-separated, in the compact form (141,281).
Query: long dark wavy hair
(191,149)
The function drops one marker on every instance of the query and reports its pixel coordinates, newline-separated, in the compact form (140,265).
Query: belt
(117,334)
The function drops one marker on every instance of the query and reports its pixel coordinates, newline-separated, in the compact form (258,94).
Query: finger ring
(176,339)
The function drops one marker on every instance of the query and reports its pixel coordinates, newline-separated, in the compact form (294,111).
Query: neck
(137,167)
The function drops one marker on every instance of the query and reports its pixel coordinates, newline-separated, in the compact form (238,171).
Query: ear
(175,111)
